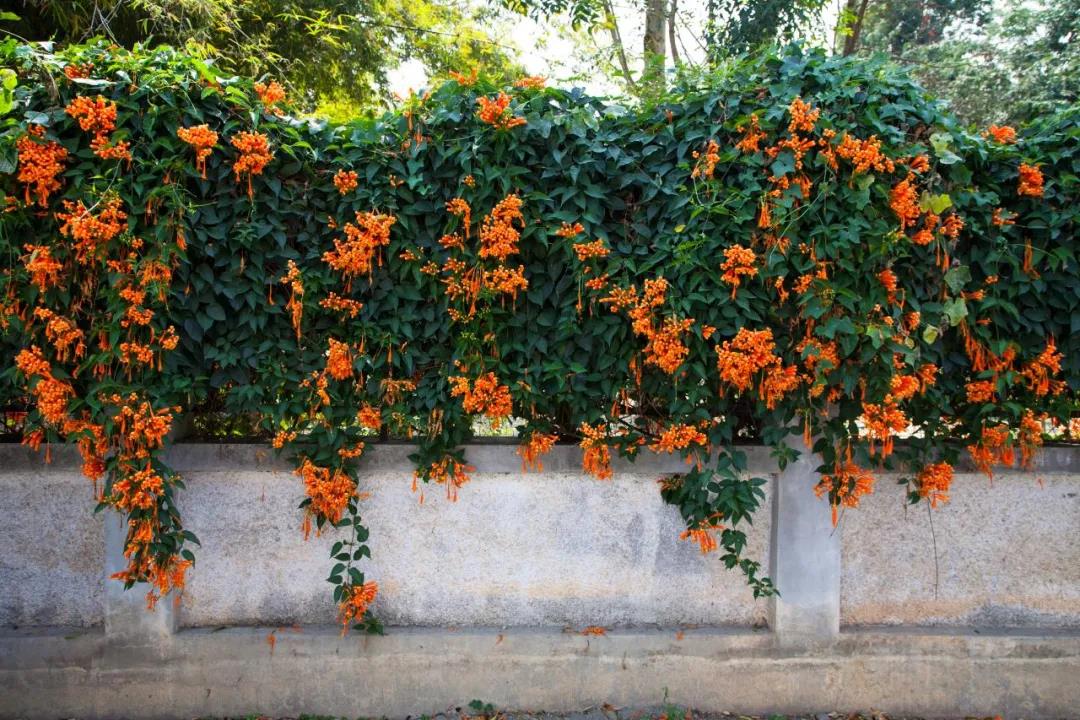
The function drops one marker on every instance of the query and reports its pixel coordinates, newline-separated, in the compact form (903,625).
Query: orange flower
(1002,134)
(497,112)
(1038,372)
(356,253)
(1030,436)
(339,360)
(92,233)
(369,417)
(738,262)
(778,382)
(296,299)
(803,117)
(349,307)
(882,421)
(357,600)
(678,437)
(447,472)
(283,437)
(98,116)
(980,391)
(887,278)
(706,163)
(596,459)
(44,269)
(595,249)
(271,94)
(346,181)
(747,353)
(39,164)
(465,80)
(486,396)
(752,136)
(330,490)
(934,481)
(1031,181)
(203,140)
(534,82)
(903,387)
(255,155)
(568,231)
(460,208)
(866,155)
(498,236)
(530,451)
(845,485)
(994,447)
(704,535)
(904,201)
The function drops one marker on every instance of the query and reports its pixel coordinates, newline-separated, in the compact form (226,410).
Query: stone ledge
(486,457)
(236,671)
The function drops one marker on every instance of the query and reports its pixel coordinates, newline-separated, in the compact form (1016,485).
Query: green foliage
(635,181)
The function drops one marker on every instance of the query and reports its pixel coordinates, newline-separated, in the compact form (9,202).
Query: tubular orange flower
(498,236)
(934,482)
(1031,181)
(1030,436)
(537,445)
(751,136)
(704,535)
(980,391)
(270,95)
(339,360)
(203,140)
(497,112)
(739,262)
(747,353)
(460,208)
(255,155)
(1038,372)
(357,601)
(346,181)
(596,459)
(594,249)
(678,437)
(778,382)
(845,486)
(369,417)
(348,307)
(887,278)
(486,396)
(706,162)
(533,82)
(355,254)
(44,269)
(904,201)
(882,421)
(803,117)
(1002,134)
(865,155)
(92,233)
(329,490)
(903,387)
(39,164)
(994,447)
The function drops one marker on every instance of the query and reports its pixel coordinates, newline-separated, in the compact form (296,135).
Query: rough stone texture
(1008,554)
(235,673)
(51,547)
(515,550)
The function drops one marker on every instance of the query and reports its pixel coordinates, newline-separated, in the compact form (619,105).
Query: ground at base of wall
(478,710)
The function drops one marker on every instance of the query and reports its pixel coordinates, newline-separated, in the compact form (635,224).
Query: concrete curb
(236,671)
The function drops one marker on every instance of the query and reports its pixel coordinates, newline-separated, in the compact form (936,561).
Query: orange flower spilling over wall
(486,396)
(91,233)
(747,353)
(330,490)
(934,482)
(497,112)
(882,422)
(596,459)
(679,437)
(538,445)
(845,485)
(255,155)
(40,164)
(498,236)
(202,139)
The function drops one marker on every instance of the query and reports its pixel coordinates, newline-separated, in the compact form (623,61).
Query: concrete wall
(483,596)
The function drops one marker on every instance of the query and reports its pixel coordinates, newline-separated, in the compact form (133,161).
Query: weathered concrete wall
(52,550)
(1008,554)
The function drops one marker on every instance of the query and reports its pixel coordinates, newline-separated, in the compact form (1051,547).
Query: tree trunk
(851,42)
(655,43)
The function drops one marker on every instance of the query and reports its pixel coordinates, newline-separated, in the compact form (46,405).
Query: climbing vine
(801,247)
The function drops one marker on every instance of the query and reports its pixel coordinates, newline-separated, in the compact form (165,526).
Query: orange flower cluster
(202,139)
(461,209)
(498,236)
(369,417)
(270,95)
(706,162)
(347,306)
(904,201)
(485,396)
(40,163)
(1031,181)
(845,485)
(44,269)
(534,82)
(92,233)
(1030,436)
(78,72)
(497,112)
(568,231)
(704,535)
(465,80)
(934,482)
(596,459)
(904,387)
(882,422)
(346,181)
(255,155)
(993,448)
(751,136)
(506,280)
(50,394)
(980,391)
(803,117)
(355,254)
(739,262)
(295,306)
(1039,372)
(864,155)
(537,445)
(98,116)
(66,338)
(1002,134)
(330,490)
(594,249)
(887,278)
(339,360)
(679,437)
(357,600)
(747,353)
(141,428)
(448,472)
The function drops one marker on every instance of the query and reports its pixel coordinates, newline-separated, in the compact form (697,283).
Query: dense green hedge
(643,181)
